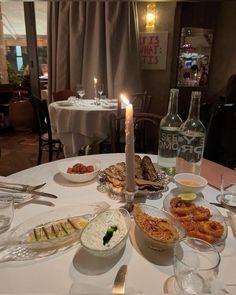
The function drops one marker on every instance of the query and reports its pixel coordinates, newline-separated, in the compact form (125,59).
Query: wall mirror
(194,56)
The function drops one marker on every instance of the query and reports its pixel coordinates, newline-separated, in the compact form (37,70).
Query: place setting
(24,194)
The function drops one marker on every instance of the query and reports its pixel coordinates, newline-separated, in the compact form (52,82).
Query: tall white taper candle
(95,87)
(129,146)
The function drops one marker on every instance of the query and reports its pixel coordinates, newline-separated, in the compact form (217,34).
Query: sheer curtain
(93,39)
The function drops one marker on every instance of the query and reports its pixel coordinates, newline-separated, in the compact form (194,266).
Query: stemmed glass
(81,91)
(100,90)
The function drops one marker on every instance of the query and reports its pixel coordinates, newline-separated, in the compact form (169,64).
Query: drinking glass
(81,91)
(100,89)
(228,188)
(6,211)
(196,265)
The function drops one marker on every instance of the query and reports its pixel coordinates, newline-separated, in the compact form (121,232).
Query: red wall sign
(153,50)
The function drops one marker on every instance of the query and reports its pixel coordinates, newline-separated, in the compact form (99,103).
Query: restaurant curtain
(93,39)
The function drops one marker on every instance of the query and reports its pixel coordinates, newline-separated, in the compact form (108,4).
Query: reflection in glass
(194,57)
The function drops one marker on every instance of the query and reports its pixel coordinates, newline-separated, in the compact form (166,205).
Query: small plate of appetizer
(149,180)
(199,218)
(82,170)
(48,233)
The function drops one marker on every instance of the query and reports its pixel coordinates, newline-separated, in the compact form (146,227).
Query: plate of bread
(149,180)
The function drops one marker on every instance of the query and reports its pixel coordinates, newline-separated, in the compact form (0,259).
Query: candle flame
(124,99)
(95,80)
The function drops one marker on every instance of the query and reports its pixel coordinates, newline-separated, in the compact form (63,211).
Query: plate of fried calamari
(148,179)
(199,218)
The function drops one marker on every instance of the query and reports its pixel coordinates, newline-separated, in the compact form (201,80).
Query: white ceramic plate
(200,202)
(65,103)
(109,105)
(63,166)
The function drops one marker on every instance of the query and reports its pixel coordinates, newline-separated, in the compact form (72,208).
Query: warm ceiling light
(151,15)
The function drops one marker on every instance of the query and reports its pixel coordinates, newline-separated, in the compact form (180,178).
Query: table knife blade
(119,282)
(32,192)
(217,204)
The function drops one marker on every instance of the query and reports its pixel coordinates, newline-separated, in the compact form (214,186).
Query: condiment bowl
(79,177)
(107,233)
(147,219)
(189,182)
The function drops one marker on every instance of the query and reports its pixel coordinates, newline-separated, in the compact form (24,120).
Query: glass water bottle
(191,139)
(168,136)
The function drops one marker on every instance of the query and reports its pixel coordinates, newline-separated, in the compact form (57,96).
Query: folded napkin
(232,221)
(72,99)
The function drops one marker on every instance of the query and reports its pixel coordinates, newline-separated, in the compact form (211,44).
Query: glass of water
(228,188)
(6,211)
(196,265)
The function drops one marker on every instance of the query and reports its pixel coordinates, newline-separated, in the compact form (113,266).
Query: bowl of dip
(189,182)
(107,233)
(158,229)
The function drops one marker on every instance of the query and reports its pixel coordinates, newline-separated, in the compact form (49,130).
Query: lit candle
(95,87)
(129,146)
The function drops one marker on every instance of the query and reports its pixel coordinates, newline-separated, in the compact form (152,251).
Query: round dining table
(80,124)
(73,270)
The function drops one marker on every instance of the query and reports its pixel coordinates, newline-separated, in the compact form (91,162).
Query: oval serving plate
(58,228)
(200,202)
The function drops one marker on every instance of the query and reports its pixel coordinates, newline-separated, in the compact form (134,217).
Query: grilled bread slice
(149,171)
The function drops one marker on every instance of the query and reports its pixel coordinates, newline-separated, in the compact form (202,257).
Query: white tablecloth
(80,125)
(67,272)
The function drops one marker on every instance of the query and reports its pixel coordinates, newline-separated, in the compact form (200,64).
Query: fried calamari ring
(183,211)
(189,225)
(201,214)
(203,236)
(181,208)
(212,228)
(177,202)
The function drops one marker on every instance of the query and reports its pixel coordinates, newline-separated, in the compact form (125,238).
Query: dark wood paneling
(200,15)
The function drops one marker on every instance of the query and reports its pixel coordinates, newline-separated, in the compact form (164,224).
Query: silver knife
(119,282)
(21,190)
(217,204)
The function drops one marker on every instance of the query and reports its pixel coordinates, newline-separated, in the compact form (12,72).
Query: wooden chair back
(63,94)
(47,141)
(141,102)
(146,131)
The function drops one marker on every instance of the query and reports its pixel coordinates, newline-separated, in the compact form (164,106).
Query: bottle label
(191,147)
(168,142)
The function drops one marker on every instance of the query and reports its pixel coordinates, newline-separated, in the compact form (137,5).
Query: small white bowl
(189,182)
(82,177)
(92,236)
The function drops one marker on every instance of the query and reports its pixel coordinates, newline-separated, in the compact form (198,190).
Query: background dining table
(74,271)
(80,124)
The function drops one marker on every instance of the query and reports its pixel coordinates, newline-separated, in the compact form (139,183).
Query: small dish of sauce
(190,182)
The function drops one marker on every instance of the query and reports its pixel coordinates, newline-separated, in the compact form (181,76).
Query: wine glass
(81,91)
(100,90)
(196,264)
(228,189)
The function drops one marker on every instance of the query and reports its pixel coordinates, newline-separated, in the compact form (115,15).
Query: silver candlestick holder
(129,201)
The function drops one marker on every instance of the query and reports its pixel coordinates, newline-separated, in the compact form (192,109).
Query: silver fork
(12,185)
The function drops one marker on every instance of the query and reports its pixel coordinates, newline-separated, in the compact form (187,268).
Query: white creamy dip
(92,236)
